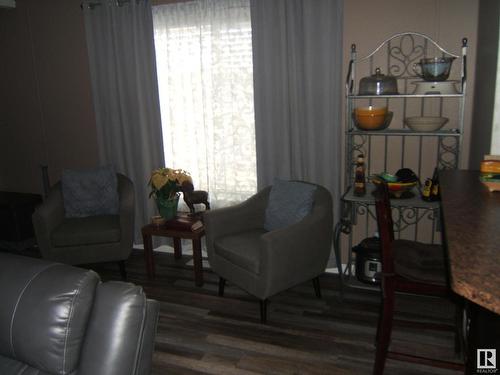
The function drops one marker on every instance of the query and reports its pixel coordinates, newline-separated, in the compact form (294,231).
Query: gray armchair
(264,263)
(93,239)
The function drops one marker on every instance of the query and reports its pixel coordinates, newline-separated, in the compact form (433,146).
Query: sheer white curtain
(205,79)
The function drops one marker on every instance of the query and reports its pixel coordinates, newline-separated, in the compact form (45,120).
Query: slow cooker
(368,261)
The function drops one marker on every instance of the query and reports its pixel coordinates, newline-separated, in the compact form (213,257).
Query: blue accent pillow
(90,192)
(289,202)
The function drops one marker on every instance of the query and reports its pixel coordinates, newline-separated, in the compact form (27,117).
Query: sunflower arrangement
(167,182)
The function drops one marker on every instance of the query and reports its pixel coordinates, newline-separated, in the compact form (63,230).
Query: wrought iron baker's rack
(398,146)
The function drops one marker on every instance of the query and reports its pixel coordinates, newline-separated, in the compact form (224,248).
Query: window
(205,79)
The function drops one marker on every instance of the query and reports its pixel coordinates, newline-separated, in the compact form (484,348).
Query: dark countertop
(471,216)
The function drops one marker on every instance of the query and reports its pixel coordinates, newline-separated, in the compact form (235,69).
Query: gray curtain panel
(125,93)
(297,57)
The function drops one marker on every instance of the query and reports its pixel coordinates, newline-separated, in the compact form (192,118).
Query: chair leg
(123,272)
(317,288)
(263,311)
(459,329)
(384,329)
(222,284)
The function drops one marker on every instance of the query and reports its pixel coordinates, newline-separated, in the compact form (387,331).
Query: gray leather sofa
(59,319)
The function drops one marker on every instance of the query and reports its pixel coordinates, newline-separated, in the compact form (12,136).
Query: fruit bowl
(396,189)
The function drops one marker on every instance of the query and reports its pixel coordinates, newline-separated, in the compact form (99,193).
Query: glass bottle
(359,177)
(426,191)
(435,193)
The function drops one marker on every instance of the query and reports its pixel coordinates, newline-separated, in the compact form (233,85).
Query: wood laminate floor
(202,333)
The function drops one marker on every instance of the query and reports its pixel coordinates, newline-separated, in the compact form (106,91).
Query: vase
(168,207)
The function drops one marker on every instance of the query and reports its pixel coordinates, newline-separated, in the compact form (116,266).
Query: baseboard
(188,250)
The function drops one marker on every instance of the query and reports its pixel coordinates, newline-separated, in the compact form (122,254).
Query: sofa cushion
(9,366)
(121,309)
(90,192)
(419,262)
(241,249)
(87,231)
(289,202)
(44,312)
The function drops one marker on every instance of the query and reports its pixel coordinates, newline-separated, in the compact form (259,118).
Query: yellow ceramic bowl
(370,110)
(376,121)
(370,118)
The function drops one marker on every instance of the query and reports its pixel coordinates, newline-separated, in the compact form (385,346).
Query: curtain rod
(93,4)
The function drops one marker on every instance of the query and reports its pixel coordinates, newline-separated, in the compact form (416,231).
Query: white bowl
(425,123)
(435,88)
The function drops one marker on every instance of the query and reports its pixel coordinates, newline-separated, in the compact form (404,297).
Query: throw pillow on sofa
(90,192)
(289,202)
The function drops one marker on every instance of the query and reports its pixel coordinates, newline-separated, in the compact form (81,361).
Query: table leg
(198,265)
(177,248)
(148,255)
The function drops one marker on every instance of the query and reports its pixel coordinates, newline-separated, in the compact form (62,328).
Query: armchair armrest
(126,211)
(47,217)
(126,196)
(244,216)
(299,252)
(121,331)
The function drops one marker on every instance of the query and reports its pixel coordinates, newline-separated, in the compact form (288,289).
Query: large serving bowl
(425,123)
(372,118)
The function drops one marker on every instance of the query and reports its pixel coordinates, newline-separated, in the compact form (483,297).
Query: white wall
(495,137)
(46,110)
(486,71)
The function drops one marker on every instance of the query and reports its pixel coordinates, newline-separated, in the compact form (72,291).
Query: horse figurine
(192,197)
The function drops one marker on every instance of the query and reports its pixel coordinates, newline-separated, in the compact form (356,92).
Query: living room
(48,118)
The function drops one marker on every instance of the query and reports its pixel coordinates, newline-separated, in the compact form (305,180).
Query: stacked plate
(490,174)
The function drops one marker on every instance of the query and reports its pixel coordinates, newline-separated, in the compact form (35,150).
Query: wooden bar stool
(408,267)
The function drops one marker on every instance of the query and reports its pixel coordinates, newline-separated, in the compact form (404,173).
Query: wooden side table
(150,230)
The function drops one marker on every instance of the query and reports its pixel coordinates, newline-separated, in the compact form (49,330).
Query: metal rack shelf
(401,96)
(414,201)
(406,132)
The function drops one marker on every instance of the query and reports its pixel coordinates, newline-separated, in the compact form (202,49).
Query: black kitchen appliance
(368,260)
